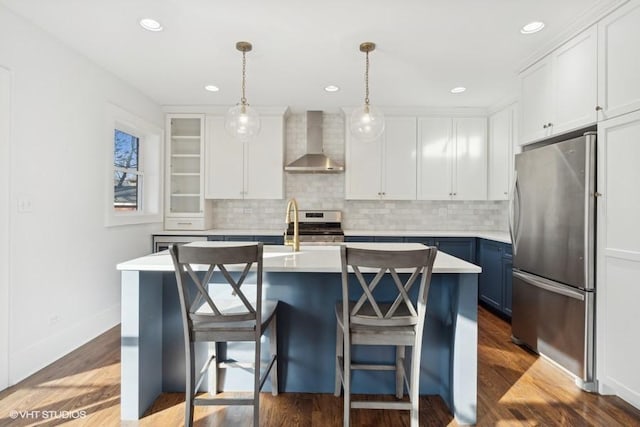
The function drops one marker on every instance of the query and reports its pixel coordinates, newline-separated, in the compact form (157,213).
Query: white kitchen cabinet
(559,92)
(385,168)
(185,204)
(618,257)
(452,164)
(536,96)
(619,61)
(251,170)
(503,134)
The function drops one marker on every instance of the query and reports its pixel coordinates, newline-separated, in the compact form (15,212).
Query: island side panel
(464,392)
(141,342)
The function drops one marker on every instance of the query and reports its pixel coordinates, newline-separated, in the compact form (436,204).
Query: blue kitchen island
(307,283)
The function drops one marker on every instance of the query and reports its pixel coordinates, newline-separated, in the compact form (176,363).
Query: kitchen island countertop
(309,259)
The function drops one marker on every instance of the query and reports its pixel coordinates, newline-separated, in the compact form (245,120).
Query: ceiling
(424,47)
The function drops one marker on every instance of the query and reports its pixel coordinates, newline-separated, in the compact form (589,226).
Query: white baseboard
(44,352)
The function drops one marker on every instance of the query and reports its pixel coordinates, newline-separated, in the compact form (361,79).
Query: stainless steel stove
(318,228)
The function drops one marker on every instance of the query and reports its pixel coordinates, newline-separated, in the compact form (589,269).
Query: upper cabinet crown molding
(426,111)
(221,110)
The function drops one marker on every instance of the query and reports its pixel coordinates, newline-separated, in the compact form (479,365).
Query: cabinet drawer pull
(185,223)
(598,108)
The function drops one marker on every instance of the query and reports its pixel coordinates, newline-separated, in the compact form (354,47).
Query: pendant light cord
(243,100)
(366,80)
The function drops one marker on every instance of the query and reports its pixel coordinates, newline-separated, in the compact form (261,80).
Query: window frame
(150,169)
(131,171)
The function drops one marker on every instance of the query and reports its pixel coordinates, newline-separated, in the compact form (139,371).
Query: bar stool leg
(339,354)
(400,352)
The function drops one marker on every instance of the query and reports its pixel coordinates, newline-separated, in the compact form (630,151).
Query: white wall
(5,111)
(64,288)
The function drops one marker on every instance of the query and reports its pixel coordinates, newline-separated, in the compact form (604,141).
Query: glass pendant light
(367,122)
(242,121)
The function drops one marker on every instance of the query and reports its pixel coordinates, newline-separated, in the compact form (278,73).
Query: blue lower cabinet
(507,278)
(388,239)
(460,247)
(356,239)
(494,283)
(424,240)
(490,280)
(215,238)
(238,238)
(270,240)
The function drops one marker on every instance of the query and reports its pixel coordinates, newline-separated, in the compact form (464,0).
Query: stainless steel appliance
(318,228)
(552,223)
(314,160)
(162,242)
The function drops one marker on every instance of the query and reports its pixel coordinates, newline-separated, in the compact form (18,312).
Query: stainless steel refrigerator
(553,234)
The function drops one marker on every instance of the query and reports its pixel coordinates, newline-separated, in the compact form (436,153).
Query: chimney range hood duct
(314,161)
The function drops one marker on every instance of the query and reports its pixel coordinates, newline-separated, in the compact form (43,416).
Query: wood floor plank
(515,388)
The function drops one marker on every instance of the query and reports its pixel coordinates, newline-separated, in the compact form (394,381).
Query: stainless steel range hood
(314,161)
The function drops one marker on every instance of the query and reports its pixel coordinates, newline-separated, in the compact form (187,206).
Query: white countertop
(310,259)
(499,236)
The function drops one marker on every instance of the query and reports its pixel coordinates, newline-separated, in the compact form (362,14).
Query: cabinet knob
(455,194)
(598,108)
(505,193)
(451,194)
(549,124)
(544,126)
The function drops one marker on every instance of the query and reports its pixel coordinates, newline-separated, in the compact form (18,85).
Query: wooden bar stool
(368,321)
(205,320)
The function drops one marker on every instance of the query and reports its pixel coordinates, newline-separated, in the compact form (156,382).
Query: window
(126,175)
(135,170)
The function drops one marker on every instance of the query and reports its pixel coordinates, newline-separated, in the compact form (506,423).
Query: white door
(264,161)
(575,66)
(5,166)
(618,258)
(536,98)
(435,158)
(618,61)
(224,160)
(500,149)
(363,173)
(399,159)
(470,174)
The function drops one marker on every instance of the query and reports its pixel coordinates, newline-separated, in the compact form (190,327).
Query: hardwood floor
(515,388)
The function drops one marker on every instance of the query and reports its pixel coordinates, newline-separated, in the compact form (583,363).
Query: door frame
(5,218)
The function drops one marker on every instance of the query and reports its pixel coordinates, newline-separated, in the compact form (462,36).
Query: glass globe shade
(242,122)
(367,123)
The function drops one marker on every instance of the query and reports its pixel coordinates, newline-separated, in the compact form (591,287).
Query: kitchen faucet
(295,241)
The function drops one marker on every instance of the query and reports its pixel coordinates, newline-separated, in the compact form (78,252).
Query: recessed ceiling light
(332,88)
(150,24)
(532,27)
(458,89)
(212,88)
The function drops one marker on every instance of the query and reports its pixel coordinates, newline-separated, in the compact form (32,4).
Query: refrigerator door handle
(512,200)
(548,285)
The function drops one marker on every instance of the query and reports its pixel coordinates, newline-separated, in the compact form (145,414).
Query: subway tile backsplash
(326,191)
